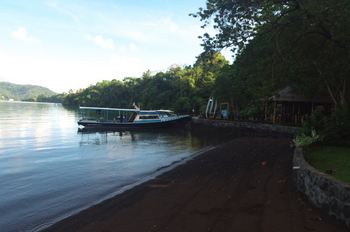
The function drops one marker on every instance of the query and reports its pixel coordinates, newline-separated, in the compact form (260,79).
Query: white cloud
(21,34)
(52,4)
(157,30)
(99,40)
(133,47)
(126,66)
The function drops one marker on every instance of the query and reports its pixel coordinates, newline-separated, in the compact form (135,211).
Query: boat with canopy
(120,118)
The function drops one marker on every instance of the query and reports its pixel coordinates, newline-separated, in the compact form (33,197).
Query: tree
(207,66)
(289,25)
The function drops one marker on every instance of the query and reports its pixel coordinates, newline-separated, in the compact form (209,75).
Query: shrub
(303,140)
(251,112)
(333,129)
(336,128)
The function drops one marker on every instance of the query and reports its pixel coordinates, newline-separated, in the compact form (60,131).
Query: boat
(211,108)
(120,118)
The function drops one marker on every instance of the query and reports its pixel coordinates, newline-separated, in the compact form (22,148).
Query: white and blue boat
(132,118)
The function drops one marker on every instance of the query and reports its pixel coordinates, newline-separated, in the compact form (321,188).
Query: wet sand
(243,185)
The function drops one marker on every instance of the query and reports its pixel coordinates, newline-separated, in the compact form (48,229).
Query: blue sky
(71,44)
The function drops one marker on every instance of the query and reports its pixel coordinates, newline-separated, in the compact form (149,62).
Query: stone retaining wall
(232,128)
(323,191)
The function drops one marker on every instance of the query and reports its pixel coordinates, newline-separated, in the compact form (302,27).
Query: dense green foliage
(20,92)
(301,43)
(56,98)
(333,129)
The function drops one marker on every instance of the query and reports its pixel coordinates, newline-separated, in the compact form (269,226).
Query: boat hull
(179,122)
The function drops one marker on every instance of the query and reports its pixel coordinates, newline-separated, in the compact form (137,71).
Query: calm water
(50,170)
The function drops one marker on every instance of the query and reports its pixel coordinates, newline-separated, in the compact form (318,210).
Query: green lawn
(332,160)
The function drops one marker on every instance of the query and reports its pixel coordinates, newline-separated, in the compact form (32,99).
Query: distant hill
(20,92)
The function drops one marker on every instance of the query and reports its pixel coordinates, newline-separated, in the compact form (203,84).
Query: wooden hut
(290,107)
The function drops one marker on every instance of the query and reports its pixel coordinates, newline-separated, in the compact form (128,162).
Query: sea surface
(50,169)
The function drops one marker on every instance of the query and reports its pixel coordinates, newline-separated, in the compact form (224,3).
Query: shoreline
(241,185)
(152,176)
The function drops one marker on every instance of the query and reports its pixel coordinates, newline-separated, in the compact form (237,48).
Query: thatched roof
(288,95)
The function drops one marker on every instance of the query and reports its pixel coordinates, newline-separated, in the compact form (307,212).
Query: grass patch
(332,160)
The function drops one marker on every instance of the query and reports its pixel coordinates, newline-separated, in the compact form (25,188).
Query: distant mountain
(20,92)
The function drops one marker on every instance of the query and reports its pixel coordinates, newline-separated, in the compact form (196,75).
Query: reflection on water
(49,170)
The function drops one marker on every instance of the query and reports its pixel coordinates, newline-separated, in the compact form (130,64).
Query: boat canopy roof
(106,108)
(164,111)
(122,109)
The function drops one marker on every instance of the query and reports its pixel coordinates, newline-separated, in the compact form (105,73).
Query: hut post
(299,118)
(293,116)
(274,111)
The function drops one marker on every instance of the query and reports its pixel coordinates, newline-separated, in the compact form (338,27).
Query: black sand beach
(243,185)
